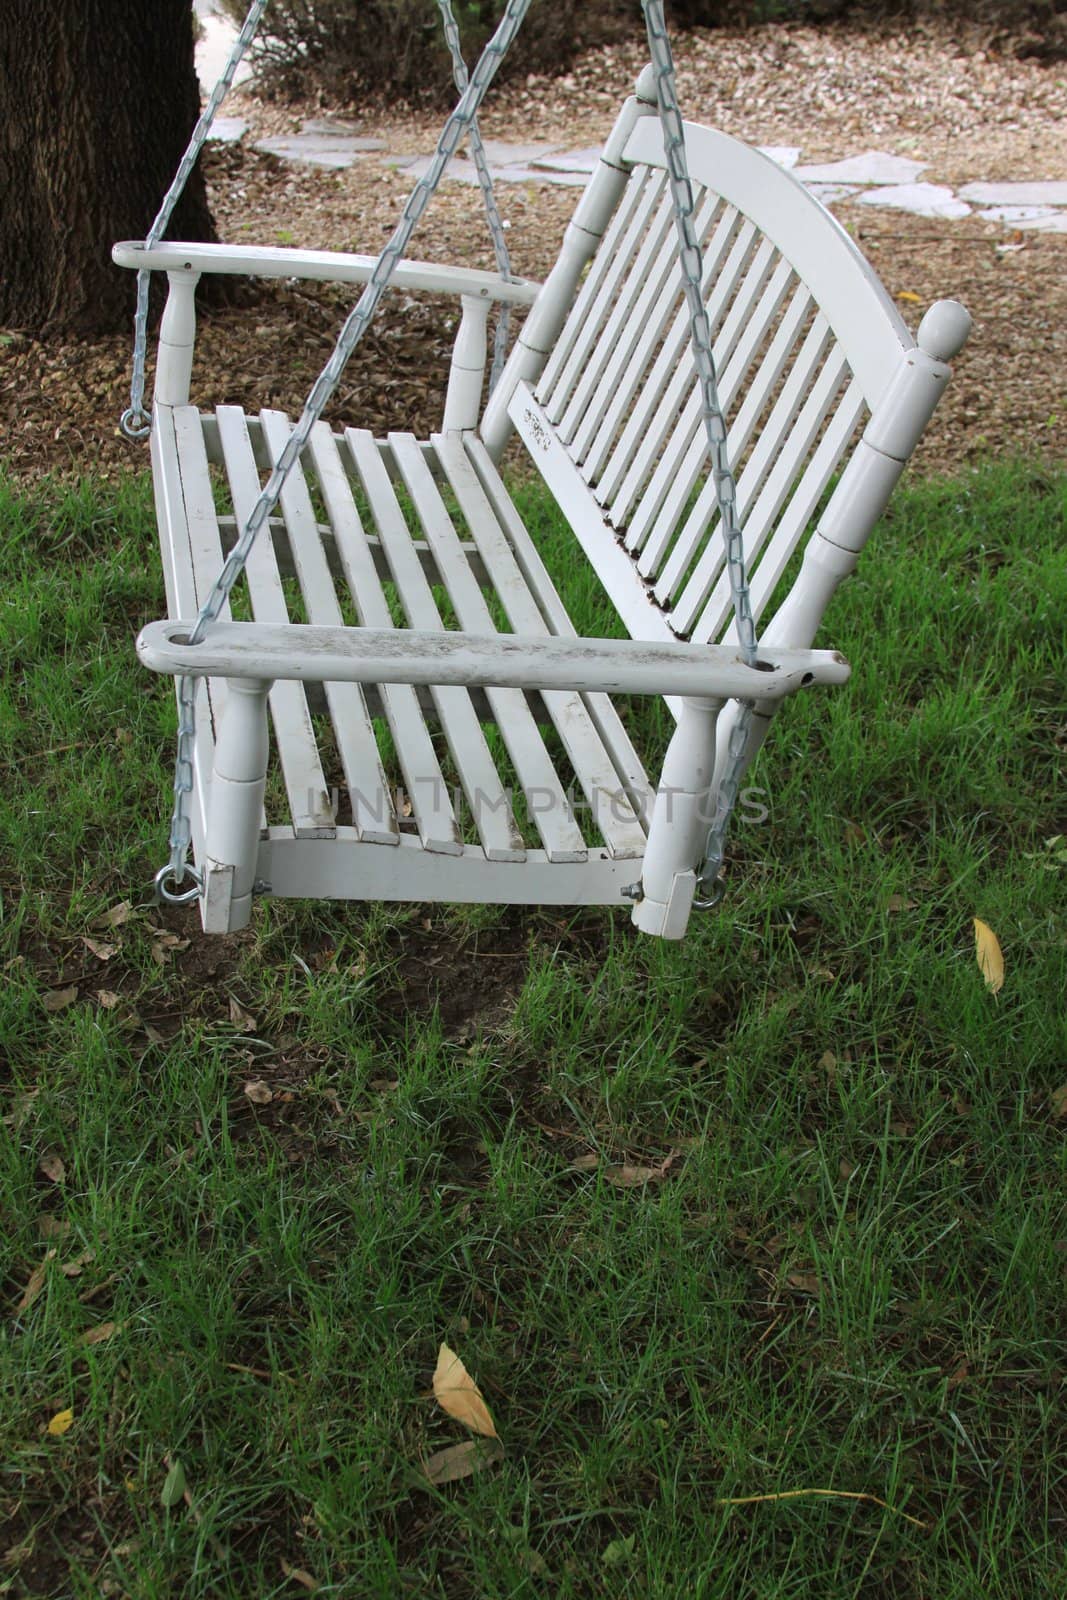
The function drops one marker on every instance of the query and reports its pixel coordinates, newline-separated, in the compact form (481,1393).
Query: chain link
(135,421)
(709,887)
(485,182)
(458,124)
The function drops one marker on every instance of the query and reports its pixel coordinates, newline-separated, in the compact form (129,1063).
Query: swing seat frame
(399,631)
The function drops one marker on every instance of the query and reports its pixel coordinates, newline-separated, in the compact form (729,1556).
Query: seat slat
(688,473)
(652,314)
(671,429)
(766,452)
(779,482)
(551,811)
(797,515)
(674,343)
(424,781)
(298,753)
(486,796)
(620,291)
(625,759)
(612,810)
(180,500)
(553,387)
(368,787)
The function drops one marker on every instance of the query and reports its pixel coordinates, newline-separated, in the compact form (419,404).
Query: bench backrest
(810,351)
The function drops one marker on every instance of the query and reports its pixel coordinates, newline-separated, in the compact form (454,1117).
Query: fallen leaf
(173,1486)
(52,1166)
(845,1169)
(108,999)
(73,1269)
(899,902)
(1058,1101)
(241,1019)
(102,951)
(805,1282)
(587,1163)
(628,1177)
(828,1063)
(258,1092)
(53,1227)
(618,1551)
(298,1575)
(909,297)
(457,1393)
(461,1460)
(854,834)
(59,999)
(625,1176)
(988,954)
(61,1423)
(35,1283)
(102,1331)
(116,916)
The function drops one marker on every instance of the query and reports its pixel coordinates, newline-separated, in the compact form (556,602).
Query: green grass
(847,1278)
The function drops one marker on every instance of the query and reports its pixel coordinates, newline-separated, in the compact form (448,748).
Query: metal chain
(709,887)
(485,182)
(135,422)
(453,131)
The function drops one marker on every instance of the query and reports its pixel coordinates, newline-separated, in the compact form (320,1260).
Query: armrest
(332,266)
(503,660)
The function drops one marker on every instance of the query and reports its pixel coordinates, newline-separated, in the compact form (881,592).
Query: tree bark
(97,102)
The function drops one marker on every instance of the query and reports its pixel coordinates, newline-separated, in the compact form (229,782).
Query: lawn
(774,1216)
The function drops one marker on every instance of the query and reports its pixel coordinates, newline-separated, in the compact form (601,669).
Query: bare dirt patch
(834,92)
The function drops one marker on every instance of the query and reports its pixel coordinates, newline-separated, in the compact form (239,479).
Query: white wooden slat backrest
(807,342)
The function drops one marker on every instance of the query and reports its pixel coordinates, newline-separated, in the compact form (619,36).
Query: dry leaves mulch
(968,113)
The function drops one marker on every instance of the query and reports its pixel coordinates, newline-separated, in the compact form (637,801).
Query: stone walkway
(873,178)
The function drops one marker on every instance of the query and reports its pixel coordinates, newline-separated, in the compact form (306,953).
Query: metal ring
(172,896)
(714,897)
(130,426)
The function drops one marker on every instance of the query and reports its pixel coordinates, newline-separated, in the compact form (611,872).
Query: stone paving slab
(921,199)
(873,166)
(228,130)
(1016,194)
(320,149)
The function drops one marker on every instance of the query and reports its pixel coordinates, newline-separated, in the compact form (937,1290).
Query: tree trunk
(97,101)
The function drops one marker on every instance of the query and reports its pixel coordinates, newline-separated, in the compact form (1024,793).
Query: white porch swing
(709,354)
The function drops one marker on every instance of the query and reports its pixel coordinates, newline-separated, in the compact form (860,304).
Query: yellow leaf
(461,1460)
(910,297)
(60,1423)
(989,956)
(457,1393)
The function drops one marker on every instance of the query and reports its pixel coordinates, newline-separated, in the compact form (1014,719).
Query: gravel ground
(968,113)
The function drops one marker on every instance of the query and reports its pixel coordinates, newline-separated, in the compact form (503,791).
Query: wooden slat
(797,515)
(779,482)
(636,349)
(298,754)
(564,363)
(627,763)
(552,813)
(656,461)
(695,463)
(179,497)
(622,288)
(766,452)
(612,811)
(426,788)
(486,796)
(368,787)
(674,343)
